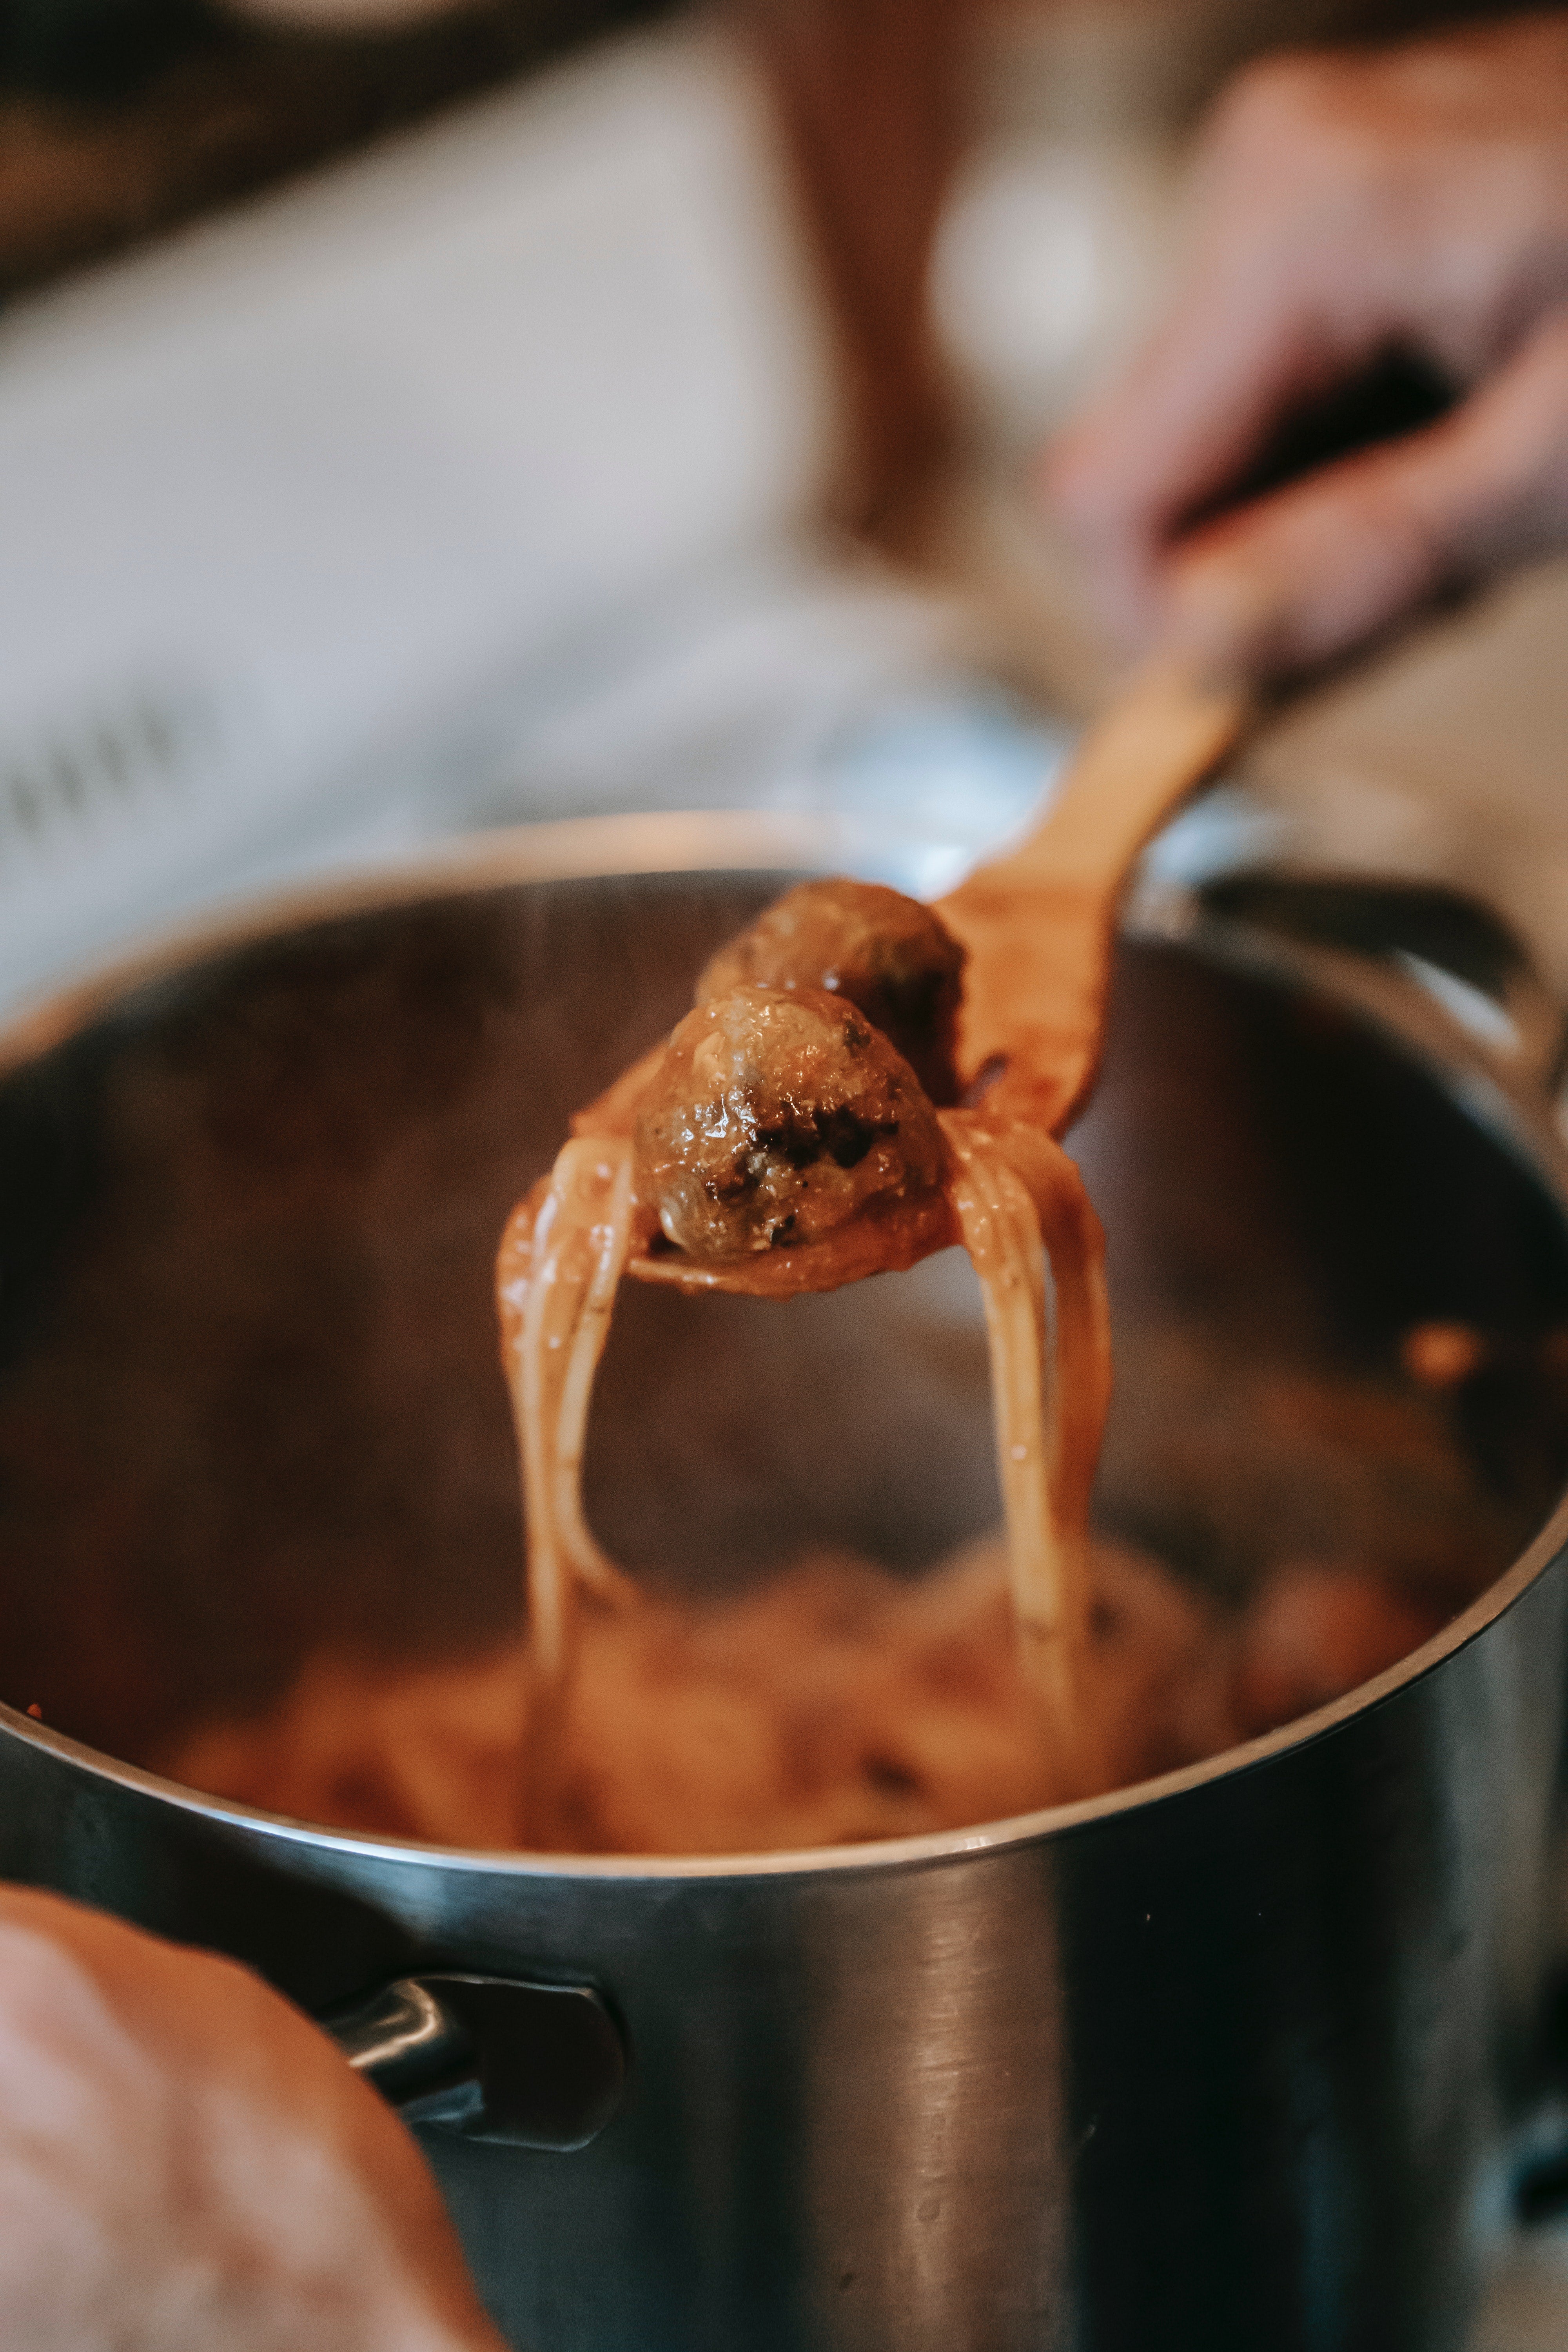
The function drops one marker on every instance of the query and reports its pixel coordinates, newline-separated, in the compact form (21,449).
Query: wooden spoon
(1039,926)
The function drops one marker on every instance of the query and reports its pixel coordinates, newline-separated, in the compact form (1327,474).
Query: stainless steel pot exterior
(1217,2071)
(1224,2065)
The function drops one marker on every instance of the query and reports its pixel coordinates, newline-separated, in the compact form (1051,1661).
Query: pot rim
(740,841)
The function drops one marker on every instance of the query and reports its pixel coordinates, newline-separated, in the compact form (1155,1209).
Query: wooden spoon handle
(1038,923)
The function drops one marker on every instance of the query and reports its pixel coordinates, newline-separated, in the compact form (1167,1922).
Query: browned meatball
(888,954)
(1316,1630)
(775,1116)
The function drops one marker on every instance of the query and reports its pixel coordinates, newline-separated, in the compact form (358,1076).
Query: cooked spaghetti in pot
(838,1702)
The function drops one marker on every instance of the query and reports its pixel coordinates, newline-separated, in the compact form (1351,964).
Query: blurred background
(415,418)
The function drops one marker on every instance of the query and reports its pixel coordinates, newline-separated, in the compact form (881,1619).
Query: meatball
(775,1116)
(887,954)
(1317,1629)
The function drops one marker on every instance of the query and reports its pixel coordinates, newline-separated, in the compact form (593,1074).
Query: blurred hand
(186,2163)
(1414,200)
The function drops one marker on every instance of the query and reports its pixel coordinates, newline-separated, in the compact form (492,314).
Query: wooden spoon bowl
(1036,926)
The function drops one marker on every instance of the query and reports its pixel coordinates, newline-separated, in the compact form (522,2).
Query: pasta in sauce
(802,1126)
(812,1156)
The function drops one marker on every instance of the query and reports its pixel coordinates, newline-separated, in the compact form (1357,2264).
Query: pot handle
(522,2066)
(1452,947)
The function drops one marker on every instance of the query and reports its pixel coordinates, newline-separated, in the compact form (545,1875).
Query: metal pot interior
(250,1408)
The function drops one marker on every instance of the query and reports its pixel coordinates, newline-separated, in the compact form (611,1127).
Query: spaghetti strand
(559,1265)
(1013,1220)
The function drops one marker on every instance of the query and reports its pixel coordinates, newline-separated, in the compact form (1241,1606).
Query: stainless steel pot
(1234,2059)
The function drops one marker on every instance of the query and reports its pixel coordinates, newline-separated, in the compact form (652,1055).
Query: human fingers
(1284,294)
(1316,570)
(1189,414)
(1411,199)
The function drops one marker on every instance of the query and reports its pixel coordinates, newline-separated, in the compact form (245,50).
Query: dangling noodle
(556,1276)
(1002,1235)
(561,1260)
(1048,1428)
(1074,1243)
